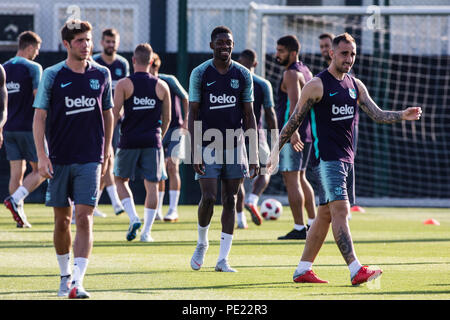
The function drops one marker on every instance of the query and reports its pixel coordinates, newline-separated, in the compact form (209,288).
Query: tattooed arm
(3,102)
(312,93)
(370,107)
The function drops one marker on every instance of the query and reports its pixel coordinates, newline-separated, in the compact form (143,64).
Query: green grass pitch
(415,259)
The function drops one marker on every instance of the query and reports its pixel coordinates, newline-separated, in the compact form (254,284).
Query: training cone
(431,221)
(357,209)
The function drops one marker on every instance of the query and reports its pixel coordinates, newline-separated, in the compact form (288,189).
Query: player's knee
(229,201)
(208,199)
(62,223)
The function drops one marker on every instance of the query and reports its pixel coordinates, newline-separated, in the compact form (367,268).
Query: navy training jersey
(220,96)
(333,119)
(141,125)
(75,103)
(263,97)
(119,69)
(177,93)
(22,77)
(283,104)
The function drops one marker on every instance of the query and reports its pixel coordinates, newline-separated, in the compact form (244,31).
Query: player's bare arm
(108,120)
(194,109)
(381,116)
(292,80)
(44,165)
(163,93)
(124,90)
(3,102)
(250,123)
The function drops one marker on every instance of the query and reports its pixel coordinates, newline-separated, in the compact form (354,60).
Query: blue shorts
(149,162)
(291,160)
(19,145)
(232,164)
(174,147)
(79,182)
(336,181)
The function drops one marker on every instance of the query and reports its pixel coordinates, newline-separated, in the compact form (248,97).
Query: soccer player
(220,100)
(295,154)
(325,41)
(119,68)
(333,97)
(263,98)
(73,113)
(22,80)
(146,103)
(173,149)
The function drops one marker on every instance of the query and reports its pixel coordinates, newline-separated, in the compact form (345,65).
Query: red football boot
(365,274)
(308,277)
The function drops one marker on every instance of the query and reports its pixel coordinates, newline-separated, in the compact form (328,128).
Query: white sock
(20,194)
(310,221)
(299,227)
(354,267)
(113,195)
(160,201)
(130,209)
(174,196)
(203,234)
(64,263)
(225,245)
(241,217)
(304,266)
(253,199)
(149,217)
(79,269)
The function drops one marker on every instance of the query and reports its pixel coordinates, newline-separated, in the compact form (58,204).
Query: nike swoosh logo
(210,83)
(65,84)
(333,94)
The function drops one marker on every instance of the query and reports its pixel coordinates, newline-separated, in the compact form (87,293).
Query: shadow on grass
(263,242)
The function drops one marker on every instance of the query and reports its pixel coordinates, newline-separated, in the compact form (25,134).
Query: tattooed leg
(341,231)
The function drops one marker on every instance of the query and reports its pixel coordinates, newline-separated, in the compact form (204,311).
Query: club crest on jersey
(352,93)
(94,83)
(234,83)
(118,72)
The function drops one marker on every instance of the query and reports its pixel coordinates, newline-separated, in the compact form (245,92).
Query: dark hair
(110,32)
(343,37)
(156,61)
(290,42)
(27,38)
(143,53)
(219,30)
(249,54)
(73,27)
(326,35)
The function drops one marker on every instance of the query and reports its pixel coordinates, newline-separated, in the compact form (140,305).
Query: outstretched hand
(412,113)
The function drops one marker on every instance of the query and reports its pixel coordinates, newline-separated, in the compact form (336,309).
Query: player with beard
(22,77)
(325,41)
(295,155)
(220,100)
(73,114)
(119,68)
(333,97)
